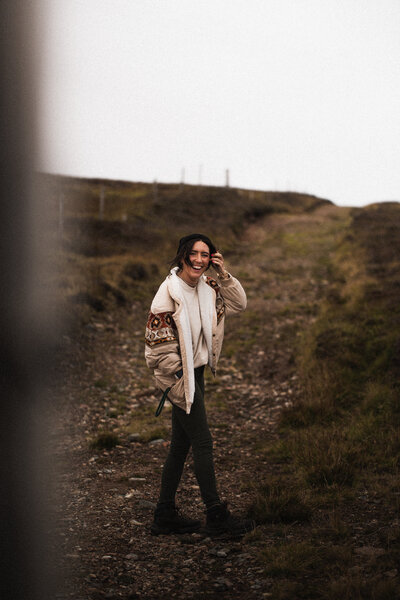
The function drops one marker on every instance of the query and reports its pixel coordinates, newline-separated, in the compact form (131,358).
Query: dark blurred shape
(25,568)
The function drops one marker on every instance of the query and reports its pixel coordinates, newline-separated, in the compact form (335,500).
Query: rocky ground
(106,497)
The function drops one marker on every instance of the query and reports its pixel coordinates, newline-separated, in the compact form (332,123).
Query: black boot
(168,520)
(220,522)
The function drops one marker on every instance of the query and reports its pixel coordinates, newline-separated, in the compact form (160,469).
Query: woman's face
(199,258)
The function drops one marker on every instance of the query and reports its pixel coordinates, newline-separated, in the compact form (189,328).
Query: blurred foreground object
(25,569)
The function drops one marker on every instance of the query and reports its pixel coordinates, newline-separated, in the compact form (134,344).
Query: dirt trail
(107,497)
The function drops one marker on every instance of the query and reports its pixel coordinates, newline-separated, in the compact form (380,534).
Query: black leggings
(190,430)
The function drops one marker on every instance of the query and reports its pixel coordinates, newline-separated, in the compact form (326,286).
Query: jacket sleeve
(234,296)
(162,344)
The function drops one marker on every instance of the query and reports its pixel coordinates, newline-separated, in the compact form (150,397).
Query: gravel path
(106,497)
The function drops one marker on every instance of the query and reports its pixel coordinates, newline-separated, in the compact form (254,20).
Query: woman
(184,333)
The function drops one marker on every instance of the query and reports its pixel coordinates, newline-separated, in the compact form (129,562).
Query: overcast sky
(300,95)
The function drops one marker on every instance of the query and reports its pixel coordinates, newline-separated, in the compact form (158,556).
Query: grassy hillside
(339,446)
(113,254)
(305,410)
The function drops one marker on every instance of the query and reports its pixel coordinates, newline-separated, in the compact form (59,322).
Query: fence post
(102,203)
(155,190)
(227,178)
(61,215)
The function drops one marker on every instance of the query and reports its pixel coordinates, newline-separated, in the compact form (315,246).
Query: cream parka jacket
(168,336)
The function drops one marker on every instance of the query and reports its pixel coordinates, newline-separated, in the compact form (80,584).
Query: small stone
(146,504)
(134,437)
(392,573)
(132,557)
(158,441)
(106,557)
(223,583)
(221,554)
(131,494)
(187,539)
(369,551)
(134,522)
(242,558)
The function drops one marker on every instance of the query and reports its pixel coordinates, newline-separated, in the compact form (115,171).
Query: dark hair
(184,251)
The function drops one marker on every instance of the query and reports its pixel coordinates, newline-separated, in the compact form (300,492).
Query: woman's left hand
(217,261)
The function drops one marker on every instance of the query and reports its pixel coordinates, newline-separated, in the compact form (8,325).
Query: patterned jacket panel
(160,329)
(162,351)
(219,300)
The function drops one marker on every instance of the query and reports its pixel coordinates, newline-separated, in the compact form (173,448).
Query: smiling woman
(184,334)
(199,261)
(193,258)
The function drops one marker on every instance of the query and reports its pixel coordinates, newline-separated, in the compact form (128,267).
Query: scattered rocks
(369,551)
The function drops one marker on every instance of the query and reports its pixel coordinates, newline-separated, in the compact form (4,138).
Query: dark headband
(197,236)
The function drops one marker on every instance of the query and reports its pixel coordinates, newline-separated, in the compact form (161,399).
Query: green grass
(149,427)
(354,587)
(349,363)
(102,383)
(276,502)
(296,559)
(105,440)
(342,438)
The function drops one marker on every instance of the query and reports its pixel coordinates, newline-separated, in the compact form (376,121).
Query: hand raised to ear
(217,261)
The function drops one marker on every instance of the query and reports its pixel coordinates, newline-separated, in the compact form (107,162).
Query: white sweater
(199,344)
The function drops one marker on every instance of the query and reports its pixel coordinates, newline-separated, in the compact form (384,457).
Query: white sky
(300,95)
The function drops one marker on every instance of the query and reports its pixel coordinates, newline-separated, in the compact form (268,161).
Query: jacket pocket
(177,391)
(164,381)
